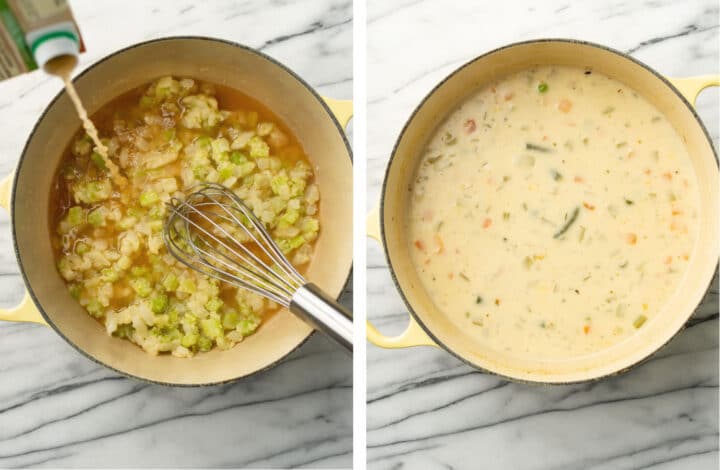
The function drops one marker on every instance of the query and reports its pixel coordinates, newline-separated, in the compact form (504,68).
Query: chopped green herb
(478,300)
(568,224)
(448,139)
(542,87)
(537,148)
(608,110)
(462,275)
(629,202)
(556,175)
(620,145)
(639,321)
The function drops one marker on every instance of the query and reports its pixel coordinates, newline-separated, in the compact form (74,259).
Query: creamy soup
(553,213)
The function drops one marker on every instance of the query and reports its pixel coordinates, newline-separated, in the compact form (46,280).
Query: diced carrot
(508,96)
(668,259)
(419,245)
(631,238)
(451,275)
(493,89)
(667,176)
(578,179)
(470,126)
(497,301)
(647,171)
(545,137)
(427,215)
(588,206)
(487,223)
(565,105)
(440,246)
(686,257)
(586,329)
(676,212)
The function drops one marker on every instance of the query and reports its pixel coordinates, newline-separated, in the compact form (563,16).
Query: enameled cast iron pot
(429,327)
(317,122)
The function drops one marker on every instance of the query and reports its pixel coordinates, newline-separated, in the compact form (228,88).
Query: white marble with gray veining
(426,409)
(57,408)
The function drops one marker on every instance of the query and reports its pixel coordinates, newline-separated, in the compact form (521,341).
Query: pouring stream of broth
(62,68)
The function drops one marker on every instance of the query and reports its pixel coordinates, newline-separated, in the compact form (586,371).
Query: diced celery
(211,327)
(230,319)
(109,275)
(148,198)
(98,160)
(124,331)
(146,102)
(168,334)
(214,304)
(226,171)
(157,212)
(204,141)
(247,325)
(93,191)
(287,245)
(75,291)
(159,303)
(238,157)
(310,225)
(289,218)
(170,283)
(186,285)
(75,216)
(139,270)
(94,308)
(204,344)
(141,286)
(168,134)
(126,223)
(279,184)
(97,217)
(258,148)
(81,248)
(190,340)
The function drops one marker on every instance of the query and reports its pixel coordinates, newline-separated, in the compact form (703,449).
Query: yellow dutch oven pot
(317,122)
(428,326)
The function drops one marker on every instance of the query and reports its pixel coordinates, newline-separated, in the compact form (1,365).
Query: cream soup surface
(553,213)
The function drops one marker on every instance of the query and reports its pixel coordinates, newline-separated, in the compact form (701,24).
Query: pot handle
(25,311)
(691,87)
(341,109)
(413,335)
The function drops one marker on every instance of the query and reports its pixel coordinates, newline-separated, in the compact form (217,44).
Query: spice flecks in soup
(553,213)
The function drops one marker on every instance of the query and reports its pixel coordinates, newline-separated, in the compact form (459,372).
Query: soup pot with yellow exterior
(428,326)
(317,122)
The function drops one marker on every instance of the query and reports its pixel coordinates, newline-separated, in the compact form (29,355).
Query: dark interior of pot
(220,63)
(451,93)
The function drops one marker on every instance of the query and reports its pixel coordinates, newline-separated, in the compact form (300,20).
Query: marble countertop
(58,409)
(427,410)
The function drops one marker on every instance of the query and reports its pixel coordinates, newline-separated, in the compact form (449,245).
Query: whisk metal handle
(324,314)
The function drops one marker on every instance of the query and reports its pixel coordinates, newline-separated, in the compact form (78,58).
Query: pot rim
(389,165)
(111,55)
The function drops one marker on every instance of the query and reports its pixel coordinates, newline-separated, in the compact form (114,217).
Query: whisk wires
(215,233)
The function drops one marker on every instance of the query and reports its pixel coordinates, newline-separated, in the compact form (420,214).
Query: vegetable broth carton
(31,31)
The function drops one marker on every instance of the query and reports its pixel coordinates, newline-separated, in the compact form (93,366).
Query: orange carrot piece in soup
(565,105)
